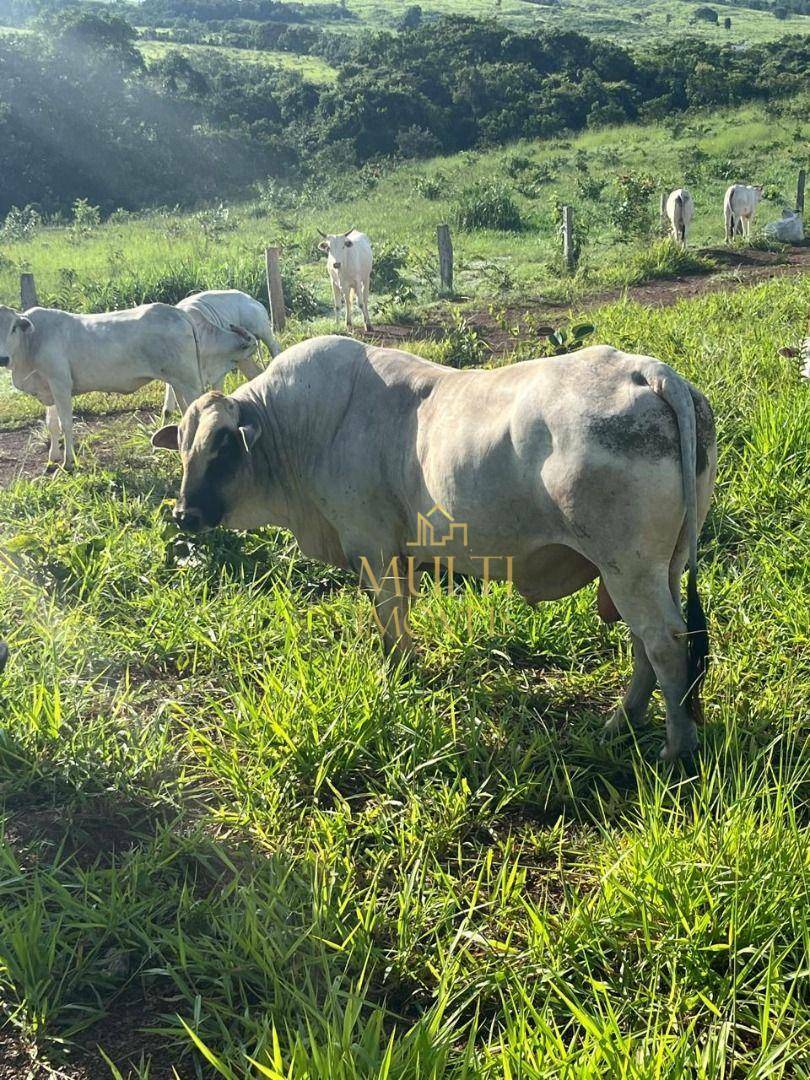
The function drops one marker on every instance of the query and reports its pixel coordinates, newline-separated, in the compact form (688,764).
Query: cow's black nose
(188,520)
(3,361)
(336,265)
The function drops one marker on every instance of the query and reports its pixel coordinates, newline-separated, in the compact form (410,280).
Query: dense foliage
(81,114)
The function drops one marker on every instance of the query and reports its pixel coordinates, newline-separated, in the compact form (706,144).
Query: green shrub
(431,187)
(666,259)
(389,262)
(487,204)
(631,211)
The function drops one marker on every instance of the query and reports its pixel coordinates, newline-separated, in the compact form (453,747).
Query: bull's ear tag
(250,434)
(167,438)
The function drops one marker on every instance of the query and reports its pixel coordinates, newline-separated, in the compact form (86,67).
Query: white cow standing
(55,355)
(680,211)
(739,207)
(349,263)
(226,309)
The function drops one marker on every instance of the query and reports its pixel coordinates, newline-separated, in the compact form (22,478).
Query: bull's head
(215,442)
(336,245)
(14,329)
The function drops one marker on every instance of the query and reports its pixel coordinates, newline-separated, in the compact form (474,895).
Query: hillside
(622,21)
(167,255)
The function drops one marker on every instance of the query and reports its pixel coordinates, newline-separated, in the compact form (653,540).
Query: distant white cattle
(349,263)
(789,229)
(227,309)
(55,355)
(739,207)
(680,211)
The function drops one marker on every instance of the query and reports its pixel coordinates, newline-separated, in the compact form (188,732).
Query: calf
(680,210)
(55,355)
(349,263)
(739,207)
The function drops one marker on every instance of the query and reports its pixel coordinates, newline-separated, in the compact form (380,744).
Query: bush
(631,211)
(431,187)
(666,259)
(21,224)
(417,142)
(487,204)
(462,345)
(386,272)
(85,216)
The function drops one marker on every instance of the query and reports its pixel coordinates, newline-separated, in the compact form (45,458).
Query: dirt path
(23,450)
(736,269)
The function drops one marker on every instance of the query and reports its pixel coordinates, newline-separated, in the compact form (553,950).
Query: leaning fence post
(275,291)
(569,253)
(800,192)
(445,258)
(28,292)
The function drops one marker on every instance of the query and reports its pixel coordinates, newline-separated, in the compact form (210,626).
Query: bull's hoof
(685,747)
(51,466)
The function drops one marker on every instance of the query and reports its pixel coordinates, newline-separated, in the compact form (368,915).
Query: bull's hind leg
(52,420)
(642,683)
(646,603)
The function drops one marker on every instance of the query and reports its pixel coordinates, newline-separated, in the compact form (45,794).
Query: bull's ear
(323,246)
(349,243)
(167,438)
(24,324)
(250,436)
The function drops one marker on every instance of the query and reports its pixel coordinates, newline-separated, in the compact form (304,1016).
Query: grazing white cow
(549,473)
(349,263)
(55,355)
(227,309)
(739,207)
(680,211)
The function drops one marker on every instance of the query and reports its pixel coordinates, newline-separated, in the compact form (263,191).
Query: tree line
(83,116)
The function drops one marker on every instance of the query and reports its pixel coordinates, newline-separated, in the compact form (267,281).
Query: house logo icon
(437,528)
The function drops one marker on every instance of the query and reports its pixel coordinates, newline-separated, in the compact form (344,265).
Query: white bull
(55,355)
(549,473)
(680,211)
(227,309)
(349,263)
(739,207)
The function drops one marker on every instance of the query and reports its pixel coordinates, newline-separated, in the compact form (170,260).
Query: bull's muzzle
(188,519)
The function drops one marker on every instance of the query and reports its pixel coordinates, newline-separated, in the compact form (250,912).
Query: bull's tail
(680,228)
(676,394)
(728,211)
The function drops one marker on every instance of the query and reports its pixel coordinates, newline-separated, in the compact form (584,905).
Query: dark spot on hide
(641,436)
(704,422)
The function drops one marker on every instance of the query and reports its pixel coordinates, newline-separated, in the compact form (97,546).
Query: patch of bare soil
(24,450)
(736,269)
(125,1035)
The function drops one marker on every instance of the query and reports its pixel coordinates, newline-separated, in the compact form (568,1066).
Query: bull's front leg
(52,420)
(63,404)
(390,592)
(337,299)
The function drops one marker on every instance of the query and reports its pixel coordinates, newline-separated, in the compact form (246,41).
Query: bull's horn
(241,332)
(323,234)
(351,230)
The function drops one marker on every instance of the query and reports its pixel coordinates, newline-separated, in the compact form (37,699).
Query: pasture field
(311,68)
(234,842)
(623,21)
(165,255)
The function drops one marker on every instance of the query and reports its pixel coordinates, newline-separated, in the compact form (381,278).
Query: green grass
(311,68)
(224,816)
(164,255)
(620,20)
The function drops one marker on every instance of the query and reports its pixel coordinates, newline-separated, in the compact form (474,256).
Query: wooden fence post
(275,292)
(569,254)
(28,292)
(800,192)
(445,259)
